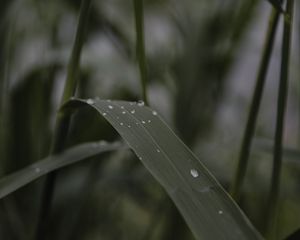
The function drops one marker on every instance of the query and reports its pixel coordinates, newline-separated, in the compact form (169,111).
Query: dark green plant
(182,54)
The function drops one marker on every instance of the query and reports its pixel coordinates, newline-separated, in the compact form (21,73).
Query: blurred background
(202,58)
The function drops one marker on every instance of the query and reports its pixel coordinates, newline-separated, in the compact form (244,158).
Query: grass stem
(273,197)
(255,104)
(63,120)
(140,46)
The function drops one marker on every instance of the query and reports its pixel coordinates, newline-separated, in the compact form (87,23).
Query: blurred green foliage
(192,48)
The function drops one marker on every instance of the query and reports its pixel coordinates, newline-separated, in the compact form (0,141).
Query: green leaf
(206,207)
(26,175)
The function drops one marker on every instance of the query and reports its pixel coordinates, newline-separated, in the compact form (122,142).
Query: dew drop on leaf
(90,101)
(110,107)
(154,113)
(140,103)
(132,111)
(220,212)
(194,173)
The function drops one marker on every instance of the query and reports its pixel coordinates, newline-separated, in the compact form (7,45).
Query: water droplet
(37,170)
(129,126)
(140,158)
(194,173)
(124,112)
(104,114)
(140,103)
(122,107)
(149,121)
(157,150)
(108,100)
(143,122)
(132,111)
(110,107)
(131,103)
(90,101)
(220,212)
(121,124)
(154,113)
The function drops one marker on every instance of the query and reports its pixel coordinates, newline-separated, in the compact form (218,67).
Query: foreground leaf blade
(22,177)
(206,207)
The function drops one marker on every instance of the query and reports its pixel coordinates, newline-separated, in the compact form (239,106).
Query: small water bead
(122,107)
(154,113)
(140,103)
(220,212)
(157,150)
(90,101)
(149,121)
(194,173)
(143,122)
(129,126)
(110,107)
(108,100)
(37,170)
(124,112)
(132,111)
(104,114)
(121,124)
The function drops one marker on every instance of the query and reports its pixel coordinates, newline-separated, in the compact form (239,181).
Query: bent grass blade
(204,204)
(18,179)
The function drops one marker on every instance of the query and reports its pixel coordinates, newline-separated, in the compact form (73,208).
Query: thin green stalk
(140,45)
(4,94)
(63,120)
(255,104)
(273,197)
